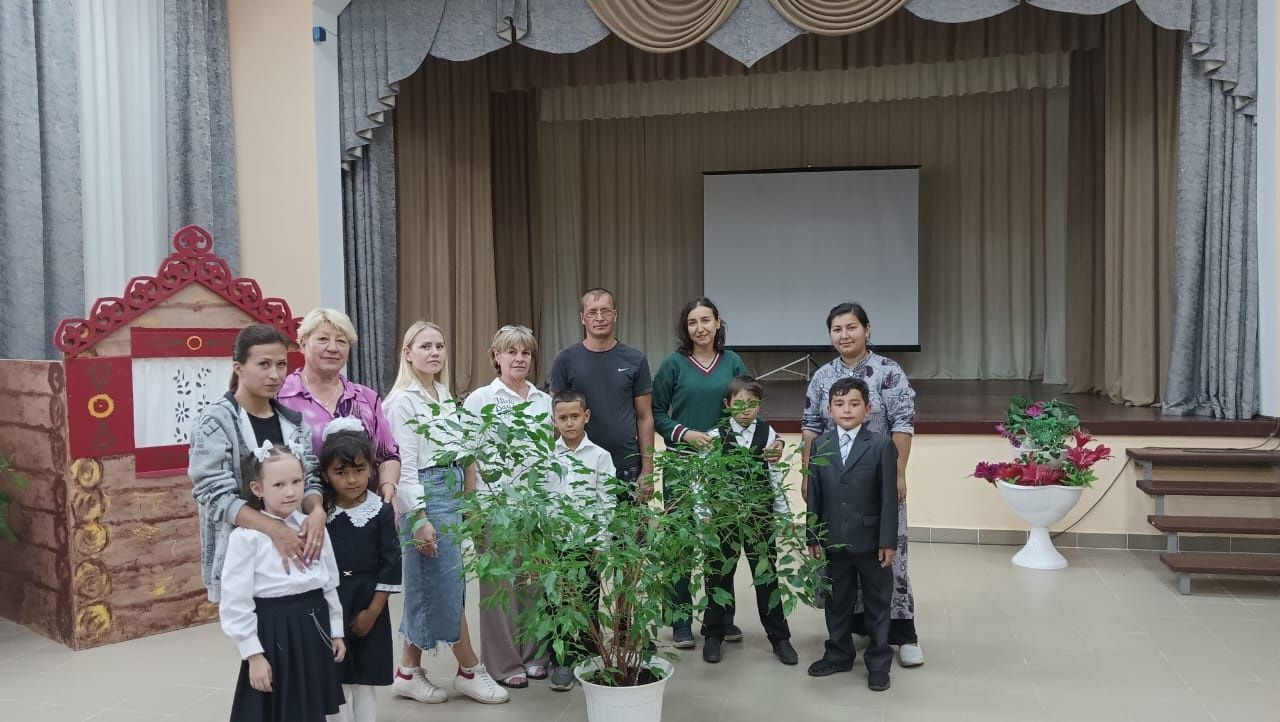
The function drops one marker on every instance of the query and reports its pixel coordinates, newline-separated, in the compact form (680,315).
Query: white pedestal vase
(642,703)
(1040,506)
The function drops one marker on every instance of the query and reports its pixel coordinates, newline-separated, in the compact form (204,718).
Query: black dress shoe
(732,633)
(822,668)
(785,652)
(711,649)
(878,681)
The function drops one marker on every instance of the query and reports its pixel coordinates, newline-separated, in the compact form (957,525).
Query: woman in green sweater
(688,400)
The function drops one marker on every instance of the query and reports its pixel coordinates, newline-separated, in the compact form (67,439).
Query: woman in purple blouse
(321,393)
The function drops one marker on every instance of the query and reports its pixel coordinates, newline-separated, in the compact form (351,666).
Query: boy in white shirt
(587,473)
(744,428)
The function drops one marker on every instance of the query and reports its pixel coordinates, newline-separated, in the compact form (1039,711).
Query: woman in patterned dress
(892,412)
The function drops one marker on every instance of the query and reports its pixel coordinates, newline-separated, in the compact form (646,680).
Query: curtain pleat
(41,233)
(663,26)
(836,17)
(200,136)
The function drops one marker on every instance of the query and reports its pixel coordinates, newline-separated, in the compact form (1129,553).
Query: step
(1215,524)
(1267,565)
(1210,488)
(1204,457)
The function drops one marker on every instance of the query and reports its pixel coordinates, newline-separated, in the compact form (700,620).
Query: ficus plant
(531,540)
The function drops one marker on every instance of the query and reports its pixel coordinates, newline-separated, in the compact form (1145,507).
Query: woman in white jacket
(434,583)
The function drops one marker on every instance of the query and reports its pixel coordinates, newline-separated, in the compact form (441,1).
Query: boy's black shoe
(822,668)
(682,636)
(785,653)
(732,633)
(878,681)
(711,649)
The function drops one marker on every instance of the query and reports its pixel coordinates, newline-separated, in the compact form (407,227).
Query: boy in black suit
(853,503)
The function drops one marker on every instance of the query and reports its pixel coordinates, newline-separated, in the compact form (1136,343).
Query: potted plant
(1053,465)
(546,545)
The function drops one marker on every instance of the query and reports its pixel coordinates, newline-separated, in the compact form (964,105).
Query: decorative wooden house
(107,539)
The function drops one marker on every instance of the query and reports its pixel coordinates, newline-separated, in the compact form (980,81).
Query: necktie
(846,442)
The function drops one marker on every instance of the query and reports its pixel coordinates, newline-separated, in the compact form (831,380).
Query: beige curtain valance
(804,88)
(663,26)
(836,17)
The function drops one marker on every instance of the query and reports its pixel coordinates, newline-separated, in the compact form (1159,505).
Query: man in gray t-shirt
(619,389)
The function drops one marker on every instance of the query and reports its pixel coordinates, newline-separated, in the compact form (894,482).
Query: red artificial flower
(1082,438)
(1035,410)
(1041,475)
(1084,458)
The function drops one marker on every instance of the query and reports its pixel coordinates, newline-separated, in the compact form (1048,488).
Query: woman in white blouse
(434,585)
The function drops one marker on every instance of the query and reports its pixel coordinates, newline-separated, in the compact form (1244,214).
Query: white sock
(410,671)
(364,703)
(344,713)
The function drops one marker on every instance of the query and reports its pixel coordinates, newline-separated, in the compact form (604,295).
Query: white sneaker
(418,687)
(910,655)
(480,687)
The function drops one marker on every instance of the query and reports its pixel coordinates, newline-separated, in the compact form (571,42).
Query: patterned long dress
(893,410)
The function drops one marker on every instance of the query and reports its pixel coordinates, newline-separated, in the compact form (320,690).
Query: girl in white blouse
(287,623)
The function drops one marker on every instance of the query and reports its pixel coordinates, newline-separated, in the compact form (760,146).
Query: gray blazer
(853,504)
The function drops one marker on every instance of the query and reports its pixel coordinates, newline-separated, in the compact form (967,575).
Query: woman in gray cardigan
(245,418)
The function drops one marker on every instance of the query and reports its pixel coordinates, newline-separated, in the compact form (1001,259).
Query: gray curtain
(41,239)
(1214,366)
(369,246)
(201,170)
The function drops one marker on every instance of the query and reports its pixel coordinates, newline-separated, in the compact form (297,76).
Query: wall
(940,494)
(273,96)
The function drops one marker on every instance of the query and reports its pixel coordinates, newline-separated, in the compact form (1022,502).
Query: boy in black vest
(742,427)
(853,508)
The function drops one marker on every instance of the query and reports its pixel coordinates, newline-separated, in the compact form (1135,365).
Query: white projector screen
(780,248)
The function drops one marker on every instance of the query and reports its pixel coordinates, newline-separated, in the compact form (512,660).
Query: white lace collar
(361,514)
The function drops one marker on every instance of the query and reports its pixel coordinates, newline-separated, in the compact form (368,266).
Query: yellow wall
(273,100)
(940,494)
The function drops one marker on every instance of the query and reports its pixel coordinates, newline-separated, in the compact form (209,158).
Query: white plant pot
(1040,506)
(642,703)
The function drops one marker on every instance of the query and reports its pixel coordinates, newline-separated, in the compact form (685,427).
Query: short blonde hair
(509,337)
(317,317)
(406,375)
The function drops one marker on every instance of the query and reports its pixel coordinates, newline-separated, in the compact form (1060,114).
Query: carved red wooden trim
(192,261)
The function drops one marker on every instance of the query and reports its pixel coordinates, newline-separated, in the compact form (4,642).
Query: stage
(975,407)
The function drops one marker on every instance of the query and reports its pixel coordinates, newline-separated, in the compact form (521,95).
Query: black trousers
(718,617)
(847,570)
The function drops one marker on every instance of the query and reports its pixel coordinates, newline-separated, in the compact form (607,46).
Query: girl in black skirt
(286,622)
(363,531)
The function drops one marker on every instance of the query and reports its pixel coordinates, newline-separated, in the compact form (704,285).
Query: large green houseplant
(545,543)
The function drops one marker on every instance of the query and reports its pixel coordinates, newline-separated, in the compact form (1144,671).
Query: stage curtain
(41,240)
(370,261)
(1214,369)
(836,17)
(622,207)
(200,137)
(804,87)
(663,26)
(1125,143)
(446,247)
(520,287)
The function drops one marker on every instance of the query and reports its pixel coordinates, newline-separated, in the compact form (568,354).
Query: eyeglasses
(600,313)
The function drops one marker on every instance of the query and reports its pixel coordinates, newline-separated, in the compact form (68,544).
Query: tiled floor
(1107,639)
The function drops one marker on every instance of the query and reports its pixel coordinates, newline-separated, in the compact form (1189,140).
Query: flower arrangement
(1053,449)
